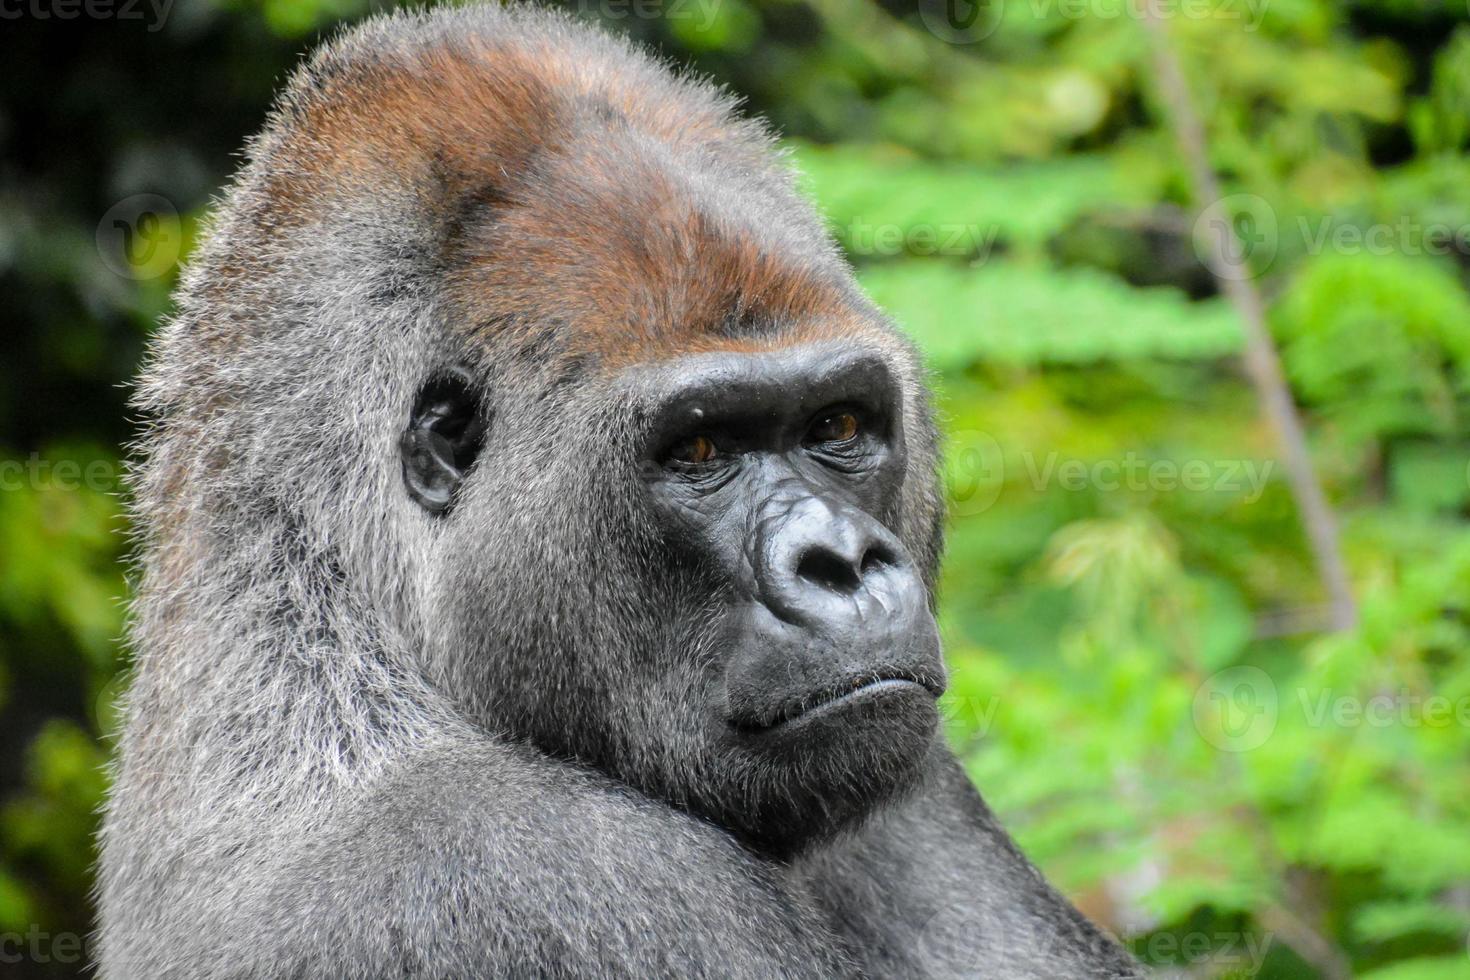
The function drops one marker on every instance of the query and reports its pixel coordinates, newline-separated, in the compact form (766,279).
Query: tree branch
(1262,363)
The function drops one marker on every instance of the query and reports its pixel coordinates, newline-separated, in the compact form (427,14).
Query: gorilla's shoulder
(485,792)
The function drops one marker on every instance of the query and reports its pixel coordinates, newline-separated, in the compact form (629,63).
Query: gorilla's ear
(445,432)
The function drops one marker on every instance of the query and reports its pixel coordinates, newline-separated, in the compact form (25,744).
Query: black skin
(774,469)
(771,473)
(810,816)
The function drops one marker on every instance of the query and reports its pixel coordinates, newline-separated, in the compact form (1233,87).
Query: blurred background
(1209,621)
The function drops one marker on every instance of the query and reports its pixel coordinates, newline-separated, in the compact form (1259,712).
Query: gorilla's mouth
(847,693)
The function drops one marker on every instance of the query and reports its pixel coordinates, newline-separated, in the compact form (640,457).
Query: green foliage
(1020,314)
(1424,968)
(1141,685)
(864,188)
(1381,343)
(1441,121)
(1092,617)
(59,538)
(49,823)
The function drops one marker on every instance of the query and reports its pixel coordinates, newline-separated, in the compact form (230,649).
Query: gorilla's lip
(844,693)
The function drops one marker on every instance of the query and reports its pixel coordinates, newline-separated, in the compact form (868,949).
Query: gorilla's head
(693,573)
(663,491)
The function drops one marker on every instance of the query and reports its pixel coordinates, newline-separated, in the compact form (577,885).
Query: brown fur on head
(594,190)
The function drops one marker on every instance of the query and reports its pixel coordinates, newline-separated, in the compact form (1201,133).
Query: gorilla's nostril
(876,557)
(821,567)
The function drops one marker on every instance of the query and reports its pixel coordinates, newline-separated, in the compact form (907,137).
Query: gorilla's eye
(694,451)
(446,430)
(834,427)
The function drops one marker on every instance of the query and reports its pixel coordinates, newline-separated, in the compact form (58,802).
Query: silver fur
(312,780)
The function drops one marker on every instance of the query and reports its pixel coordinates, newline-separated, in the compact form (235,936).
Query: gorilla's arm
(935,887)
(487,860)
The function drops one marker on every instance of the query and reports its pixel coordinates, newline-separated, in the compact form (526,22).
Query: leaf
(1384,921)
(1430,477)
(1380,342)
(1455,967)
(879,200)
(1025,314)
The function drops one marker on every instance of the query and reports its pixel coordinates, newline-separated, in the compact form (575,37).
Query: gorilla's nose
(826,566)
(841,617)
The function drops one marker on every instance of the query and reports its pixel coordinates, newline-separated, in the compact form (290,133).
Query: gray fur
(334,762)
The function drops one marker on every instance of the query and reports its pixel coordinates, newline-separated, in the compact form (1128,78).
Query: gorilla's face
(775,476)
(699,588)
(681,487)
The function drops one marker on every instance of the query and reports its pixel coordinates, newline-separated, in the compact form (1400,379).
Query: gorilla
(538,539)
